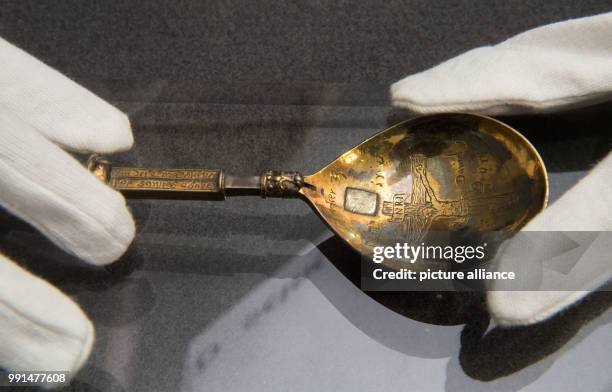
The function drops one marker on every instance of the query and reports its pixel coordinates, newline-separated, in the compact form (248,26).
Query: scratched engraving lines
(137,179)
(417,214)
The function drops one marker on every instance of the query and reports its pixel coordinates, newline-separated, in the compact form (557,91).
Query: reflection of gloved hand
(561,65)
(41,111)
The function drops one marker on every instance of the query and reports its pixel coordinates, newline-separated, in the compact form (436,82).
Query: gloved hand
(41,112)
(562,65)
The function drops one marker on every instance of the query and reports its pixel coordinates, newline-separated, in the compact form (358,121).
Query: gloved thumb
(561,65)
(42,329)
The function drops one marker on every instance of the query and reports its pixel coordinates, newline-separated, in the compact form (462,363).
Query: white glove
(562,65)
(41,111)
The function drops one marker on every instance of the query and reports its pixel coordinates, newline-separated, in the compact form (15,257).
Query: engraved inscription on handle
(152,181)
(190,180)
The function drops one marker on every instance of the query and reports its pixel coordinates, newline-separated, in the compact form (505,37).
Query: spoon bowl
(434,180)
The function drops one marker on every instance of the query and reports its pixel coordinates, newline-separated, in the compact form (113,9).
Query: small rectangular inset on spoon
(359,201)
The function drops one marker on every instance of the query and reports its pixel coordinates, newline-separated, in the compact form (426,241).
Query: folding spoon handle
(209,184)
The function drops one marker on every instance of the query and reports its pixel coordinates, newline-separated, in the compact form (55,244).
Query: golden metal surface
(178,180)
(439,180)
(160,183)
(281,184)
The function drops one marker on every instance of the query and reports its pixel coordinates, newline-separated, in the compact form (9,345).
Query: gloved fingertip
(43,328)
(110,134)
(515,308)
(119,131)
(117,232)
(414,94)
(507,309)
(88,339)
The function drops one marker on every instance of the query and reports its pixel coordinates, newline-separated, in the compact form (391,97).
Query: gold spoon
(441,179)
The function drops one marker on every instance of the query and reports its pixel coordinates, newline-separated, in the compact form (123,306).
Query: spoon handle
(195,183)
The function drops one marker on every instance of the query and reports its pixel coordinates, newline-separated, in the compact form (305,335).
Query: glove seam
(38,322)
(488,103)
